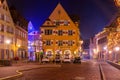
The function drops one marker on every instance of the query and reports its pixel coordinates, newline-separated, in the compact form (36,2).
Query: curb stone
(102,72)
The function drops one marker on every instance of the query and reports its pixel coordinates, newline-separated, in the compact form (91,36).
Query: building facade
(34,43)
(101,45)
(13,33)
(92,48)
(60,35)
(21,42)
(107,41)
(85,54)
(105,44)
(7,36)
(114,39)
(21,34)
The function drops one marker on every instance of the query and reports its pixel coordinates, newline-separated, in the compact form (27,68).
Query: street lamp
(105,47)
(18,45)
(8,41)
(117,48)
(110,52)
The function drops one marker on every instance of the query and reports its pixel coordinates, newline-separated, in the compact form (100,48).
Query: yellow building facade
(7,43)
(21,34)
(11,34)
(60,35)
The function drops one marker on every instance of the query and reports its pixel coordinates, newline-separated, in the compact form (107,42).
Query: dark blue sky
(94,14)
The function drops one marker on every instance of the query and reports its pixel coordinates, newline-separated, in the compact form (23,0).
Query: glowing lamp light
(29,47)
(117,48)
(19,45)
(110,52)
(75,52)
(95,51)
(81,42)
(105,48)
(8,41)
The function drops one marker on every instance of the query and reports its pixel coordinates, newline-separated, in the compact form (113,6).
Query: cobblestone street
(85,71)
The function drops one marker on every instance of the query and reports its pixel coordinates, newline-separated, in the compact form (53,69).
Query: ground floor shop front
(53,54)
(10,54)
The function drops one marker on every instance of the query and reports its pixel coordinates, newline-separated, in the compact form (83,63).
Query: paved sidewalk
(6,71)
(111,73)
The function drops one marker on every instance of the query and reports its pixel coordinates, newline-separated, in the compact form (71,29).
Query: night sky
(94,14)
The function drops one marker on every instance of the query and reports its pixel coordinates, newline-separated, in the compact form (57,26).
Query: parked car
(45,59)
(77,60)
(66,60)
(57,59)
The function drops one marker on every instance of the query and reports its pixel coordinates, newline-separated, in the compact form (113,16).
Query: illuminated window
(48,32)
(48,42)
(102,40)
(48,23)
(7,19)
(25,36)
(70,43)
(66,23)
(12,40)
(1,39)
(60,32)
(5,28)
(60,43)
(57,23)
(10,30)
(2,16)
(70,32)
(4,7)
(19,32)
(16,32)
(2,27)
(59,12)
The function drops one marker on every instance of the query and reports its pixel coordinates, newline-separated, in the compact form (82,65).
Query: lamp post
(7,53)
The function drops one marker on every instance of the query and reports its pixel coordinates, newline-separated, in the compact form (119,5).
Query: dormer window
(59,12)
(66,23)
(48,23)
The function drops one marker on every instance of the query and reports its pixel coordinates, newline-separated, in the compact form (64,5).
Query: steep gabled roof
(18,18)
(48,22)
(59,13)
